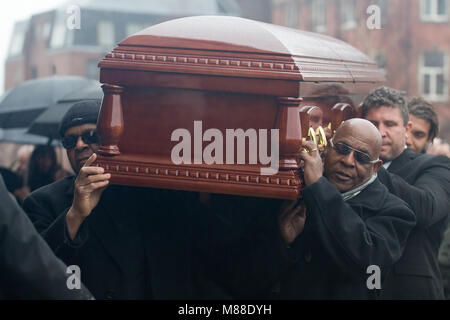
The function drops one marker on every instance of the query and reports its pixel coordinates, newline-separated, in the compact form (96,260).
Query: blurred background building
(43,45)
(412,46)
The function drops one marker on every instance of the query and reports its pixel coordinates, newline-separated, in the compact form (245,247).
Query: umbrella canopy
(48,122)
(23,104)
(22,137)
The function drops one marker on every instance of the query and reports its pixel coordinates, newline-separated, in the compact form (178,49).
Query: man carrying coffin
(354,230)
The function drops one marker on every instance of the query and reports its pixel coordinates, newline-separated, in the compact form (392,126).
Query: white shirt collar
(387,164)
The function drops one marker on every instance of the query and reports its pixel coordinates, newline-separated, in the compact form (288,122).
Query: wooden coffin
(206,75)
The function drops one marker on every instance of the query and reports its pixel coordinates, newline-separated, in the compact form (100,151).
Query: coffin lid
(233,46)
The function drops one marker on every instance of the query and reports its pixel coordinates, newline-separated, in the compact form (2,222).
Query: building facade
(409,39)
(71,40)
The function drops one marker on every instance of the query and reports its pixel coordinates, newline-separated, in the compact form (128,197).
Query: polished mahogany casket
(183,87)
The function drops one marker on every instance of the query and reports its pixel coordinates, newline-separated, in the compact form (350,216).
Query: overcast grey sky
(15,10)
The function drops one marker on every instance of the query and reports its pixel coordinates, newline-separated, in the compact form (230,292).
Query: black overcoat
(342,239)
(28,267)
(422,181)
(143,243)
(127,248)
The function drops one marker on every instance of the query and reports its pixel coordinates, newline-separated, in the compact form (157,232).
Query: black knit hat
(80,113)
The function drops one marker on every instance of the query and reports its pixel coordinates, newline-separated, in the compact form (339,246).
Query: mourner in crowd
(20,165)
(444,262)
(352,222)
(143,243)
(28,267)
(422,181)
(43,167)
(130,243)
(439,147)
(423,127)
(58,209)
(14,184)
(421,138)
(139,243)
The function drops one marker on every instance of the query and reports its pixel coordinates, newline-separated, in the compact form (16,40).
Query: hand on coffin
(89,186)
(313,165)
(291,220)
(328,133)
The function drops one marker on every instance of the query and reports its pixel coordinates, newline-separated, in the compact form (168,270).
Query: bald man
(354,230)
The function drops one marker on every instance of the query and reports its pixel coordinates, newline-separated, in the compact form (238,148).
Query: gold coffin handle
(312,136)
(322,137)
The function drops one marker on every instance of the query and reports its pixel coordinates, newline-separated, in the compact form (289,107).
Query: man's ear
(377,166)
(408,128)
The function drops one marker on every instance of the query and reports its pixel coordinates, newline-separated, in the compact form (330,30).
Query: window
(17,43)
(433,76)
(380,59)
(291,14)
(58,36)
(347,13)
(105,34)
(434,10)
(319,14)
(46,28)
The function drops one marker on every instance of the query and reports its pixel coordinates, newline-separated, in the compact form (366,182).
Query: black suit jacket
(28,267)
(422,181)
(127,248)
(110,249)
(342,239)
(138,243)
(142,243)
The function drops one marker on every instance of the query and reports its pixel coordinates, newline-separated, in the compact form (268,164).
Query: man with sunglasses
(422,181)
(352,225)
(79,138)
(90,224)
(129,243)
(59,210)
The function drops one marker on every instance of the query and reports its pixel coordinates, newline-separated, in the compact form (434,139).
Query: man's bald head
(365,131)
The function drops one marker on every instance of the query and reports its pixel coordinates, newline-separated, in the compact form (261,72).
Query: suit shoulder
(433,160)
(55,189)
(444,160)
(390,200)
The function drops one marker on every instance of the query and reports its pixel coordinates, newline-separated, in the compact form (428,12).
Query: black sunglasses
(344,149)
(89,137)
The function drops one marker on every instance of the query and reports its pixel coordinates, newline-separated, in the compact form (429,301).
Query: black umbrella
(23,104)
(48,122)
(21,136)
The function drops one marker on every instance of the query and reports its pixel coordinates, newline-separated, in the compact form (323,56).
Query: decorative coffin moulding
(224,73)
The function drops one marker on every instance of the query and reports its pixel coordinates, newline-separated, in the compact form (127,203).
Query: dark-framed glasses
(88,137)
(344,149)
